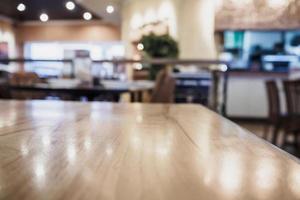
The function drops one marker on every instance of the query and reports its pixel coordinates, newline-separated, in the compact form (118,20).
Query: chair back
(292,94)
(164,88)
(273,101)
(24,79)
(4,80)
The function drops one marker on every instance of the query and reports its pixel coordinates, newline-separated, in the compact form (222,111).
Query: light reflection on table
(115,151)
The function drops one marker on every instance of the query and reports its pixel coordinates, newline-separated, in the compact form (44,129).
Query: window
(67,50)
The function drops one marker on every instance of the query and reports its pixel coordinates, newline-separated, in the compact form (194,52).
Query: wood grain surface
(91,151)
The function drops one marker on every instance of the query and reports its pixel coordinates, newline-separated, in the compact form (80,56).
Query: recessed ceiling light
(140,47)
(44,17)
(21,7)
(87,16)
(70,5)
(110,9)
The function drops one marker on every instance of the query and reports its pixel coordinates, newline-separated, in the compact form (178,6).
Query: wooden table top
(59,150)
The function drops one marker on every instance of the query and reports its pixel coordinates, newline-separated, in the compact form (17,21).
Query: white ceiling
(99,7)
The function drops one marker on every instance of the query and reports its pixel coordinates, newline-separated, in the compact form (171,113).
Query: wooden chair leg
(266,132)
(285,139)
(275,134)
(296,139)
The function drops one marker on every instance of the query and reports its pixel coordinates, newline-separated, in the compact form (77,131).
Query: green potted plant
(158,47)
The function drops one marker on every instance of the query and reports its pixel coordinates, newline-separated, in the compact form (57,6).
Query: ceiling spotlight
(110,9)
(21,7)
(70,5)
(87,16)
(44,17)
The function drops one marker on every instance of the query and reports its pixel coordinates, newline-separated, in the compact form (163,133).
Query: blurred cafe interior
(150,99)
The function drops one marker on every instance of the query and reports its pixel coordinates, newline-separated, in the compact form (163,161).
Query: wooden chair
(25,79)
(4,81)
(292,125)
(164,88)
(275,118)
